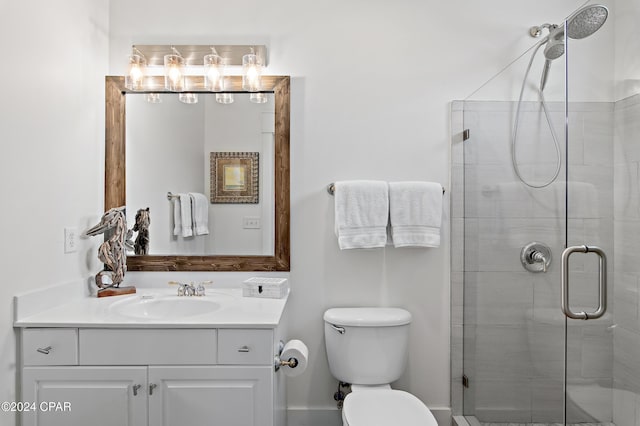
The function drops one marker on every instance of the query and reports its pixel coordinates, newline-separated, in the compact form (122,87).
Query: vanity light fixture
(213,71)
(134,79)
(258,98)
(174,71)
(224,98)
(251,72)
(153,98)
(196,68)
(188,98)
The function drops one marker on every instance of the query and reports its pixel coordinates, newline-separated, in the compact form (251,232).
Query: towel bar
(171,196)
(331,188)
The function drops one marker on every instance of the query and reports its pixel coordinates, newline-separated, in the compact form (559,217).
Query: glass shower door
(513,329)
(589,259)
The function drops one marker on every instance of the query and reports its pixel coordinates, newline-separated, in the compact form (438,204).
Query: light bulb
(134,80)
(258,98)
(213,73)
(224,98)
(251,73)
(153,98)
(188,98)
(174,72)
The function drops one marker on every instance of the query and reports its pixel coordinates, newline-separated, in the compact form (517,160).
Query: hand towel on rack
(361,213)
(415,213)
(186,215)
(200,212)
(177,217)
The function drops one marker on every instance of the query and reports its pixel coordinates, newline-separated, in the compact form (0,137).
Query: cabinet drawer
(147,346)
(50,346)
(245,347)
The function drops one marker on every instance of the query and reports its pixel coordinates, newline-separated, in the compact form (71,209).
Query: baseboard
(333,416)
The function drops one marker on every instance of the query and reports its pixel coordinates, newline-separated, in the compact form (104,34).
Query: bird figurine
(141,245)
(112,252)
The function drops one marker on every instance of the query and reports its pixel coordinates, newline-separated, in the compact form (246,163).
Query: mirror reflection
(205,170)
(232,185)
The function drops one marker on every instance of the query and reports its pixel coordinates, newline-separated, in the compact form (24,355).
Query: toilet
(367,347)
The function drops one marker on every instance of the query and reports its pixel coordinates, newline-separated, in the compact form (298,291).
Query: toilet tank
(367,346)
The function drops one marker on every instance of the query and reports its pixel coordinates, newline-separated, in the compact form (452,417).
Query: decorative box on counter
(272,288)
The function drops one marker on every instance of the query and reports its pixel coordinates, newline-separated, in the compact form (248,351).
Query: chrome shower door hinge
(465,381)
(466,134)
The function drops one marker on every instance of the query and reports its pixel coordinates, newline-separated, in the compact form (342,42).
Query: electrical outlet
(251,222)
(70,240)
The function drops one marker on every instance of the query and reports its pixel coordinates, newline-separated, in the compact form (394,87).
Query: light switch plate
(70,240)
(251,222)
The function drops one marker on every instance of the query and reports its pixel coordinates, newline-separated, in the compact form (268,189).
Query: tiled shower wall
(508,319)
(626,335)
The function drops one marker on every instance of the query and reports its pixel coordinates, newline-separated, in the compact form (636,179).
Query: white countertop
(233,311)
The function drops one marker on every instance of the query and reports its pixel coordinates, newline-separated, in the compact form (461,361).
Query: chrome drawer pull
(45,350)
(135,389)
(152,386)
(244,349)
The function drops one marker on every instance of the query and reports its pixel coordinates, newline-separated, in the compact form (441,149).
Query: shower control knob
(536,257)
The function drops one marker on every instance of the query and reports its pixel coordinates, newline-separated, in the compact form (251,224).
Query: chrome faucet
(185,289)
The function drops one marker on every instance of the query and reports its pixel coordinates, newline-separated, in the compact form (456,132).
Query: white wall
(238,127)
(627,51)
(371,86)
(51,168)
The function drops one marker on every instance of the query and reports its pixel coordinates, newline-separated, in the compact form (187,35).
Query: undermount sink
(165,307)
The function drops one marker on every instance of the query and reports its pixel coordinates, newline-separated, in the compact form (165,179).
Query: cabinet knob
(152,386)
(44,350)
(135,389)
(244,349)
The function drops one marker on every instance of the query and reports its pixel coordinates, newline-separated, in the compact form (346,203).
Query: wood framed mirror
(115,178)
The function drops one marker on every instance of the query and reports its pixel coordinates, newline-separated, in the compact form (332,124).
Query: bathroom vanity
(142,359)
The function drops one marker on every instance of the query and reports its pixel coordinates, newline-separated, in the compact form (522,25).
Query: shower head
(586,21)
(582,23)
(555,44)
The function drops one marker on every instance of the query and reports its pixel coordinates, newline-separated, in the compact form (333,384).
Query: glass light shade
(188,98)
(153,98)
(224,98)
(251,73)
(213,73)
(134,80)
(258,98)
(173,73)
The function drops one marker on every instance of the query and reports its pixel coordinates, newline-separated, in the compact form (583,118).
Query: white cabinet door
(208,396)
(96,396)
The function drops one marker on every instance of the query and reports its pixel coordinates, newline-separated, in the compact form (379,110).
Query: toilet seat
(385,407)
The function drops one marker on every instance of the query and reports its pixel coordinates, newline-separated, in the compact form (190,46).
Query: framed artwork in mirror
(234,177)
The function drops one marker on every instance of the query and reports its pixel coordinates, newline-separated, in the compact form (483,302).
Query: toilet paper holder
(278,362)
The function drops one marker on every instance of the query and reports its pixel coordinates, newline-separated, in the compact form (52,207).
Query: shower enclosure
(545,223)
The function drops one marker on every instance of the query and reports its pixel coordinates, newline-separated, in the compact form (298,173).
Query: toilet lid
(384,408)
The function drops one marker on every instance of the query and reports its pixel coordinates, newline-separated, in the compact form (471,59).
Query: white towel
(177,217)
(185,215)
(200,212)
(361,213)
(415,213)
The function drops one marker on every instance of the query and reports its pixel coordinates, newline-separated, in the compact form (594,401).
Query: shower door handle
(602,282)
